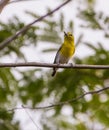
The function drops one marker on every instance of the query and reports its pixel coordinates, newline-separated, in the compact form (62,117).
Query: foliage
(35,86)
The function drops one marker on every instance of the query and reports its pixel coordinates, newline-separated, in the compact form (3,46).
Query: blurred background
(88,20)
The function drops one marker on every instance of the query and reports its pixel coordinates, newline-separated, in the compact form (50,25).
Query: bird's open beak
(65,33)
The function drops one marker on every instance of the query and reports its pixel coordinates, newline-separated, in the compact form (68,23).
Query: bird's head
(69,36)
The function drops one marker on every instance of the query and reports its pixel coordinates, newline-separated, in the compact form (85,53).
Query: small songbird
(65,52)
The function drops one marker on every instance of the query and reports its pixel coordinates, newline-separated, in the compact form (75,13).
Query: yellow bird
(65,52)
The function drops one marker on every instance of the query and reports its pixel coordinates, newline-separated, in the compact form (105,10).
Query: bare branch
(3,3)
(15,1)
(24,29)
(48,65)
(64,102)
(37,127)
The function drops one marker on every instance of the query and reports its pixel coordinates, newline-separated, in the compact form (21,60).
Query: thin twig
(37,127)
(3,3)
(48,65)
(64,102)
(15,1)
(24,29)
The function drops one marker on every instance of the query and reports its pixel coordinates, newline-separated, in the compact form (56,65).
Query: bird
(65,52)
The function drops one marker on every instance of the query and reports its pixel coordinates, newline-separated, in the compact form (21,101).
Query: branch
(62,103)
(48,65)
(15,1)
(24,29)
(3,3)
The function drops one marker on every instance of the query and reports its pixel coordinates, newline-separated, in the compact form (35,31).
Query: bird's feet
(71,64)
(58,64)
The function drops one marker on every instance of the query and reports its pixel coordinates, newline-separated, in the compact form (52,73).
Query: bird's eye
(70,35)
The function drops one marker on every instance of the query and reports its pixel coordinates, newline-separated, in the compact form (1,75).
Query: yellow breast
(67,50)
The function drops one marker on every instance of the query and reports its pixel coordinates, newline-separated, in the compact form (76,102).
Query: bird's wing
(57,57)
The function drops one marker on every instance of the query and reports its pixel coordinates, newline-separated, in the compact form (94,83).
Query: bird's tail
(54,72)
